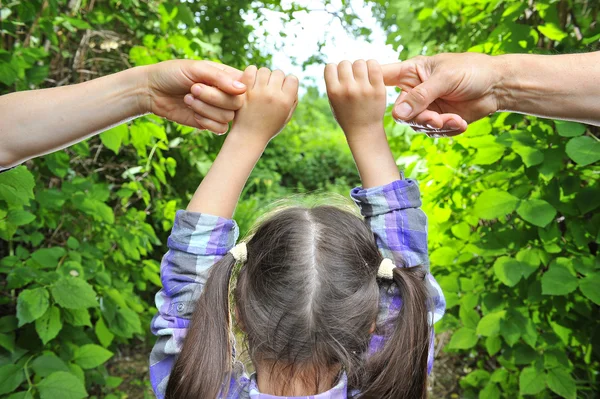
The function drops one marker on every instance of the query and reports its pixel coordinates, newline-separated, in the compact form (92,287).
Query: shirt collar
(339,391)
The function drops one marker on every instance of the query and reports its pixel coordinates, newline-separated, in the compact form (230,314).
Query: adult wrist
(505,81)
(140,77)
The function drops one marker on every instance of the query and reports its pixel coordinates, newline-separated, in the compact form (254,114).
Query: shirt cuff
(202,234)
(398,195)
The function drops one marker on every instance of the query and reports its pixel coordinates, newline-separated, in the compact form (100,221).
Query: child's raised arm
(270,101)
(358,98)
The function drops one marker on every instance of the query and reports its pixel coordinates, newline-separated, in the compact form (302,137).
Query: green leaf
(493,344)
(552,32)
(7,341)
(464,338)
(113,138)
(590,287)
(490,324)
(11,376)
(20,217)
(74,293)
(490,391)
(91,356)
(63,385)
(561,383)
(508,270)
(77,317)
(443,256)
(47,364)
(32,304)
(16,186)
(537,212)
(531,156)
(48,257)
(583,150)
(531,381)
(488,155)
(494,203)
(469,317)
(558,280)
(72,243)
(126,323)
(49,325)
(103,333)
(461,230)
(569,129)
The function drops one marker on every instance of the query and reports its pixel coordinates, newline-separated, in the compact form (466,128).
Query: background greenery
(514,227)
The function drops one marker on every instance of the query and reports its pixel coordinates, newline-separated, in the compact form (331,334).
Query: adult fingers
(204,72)
(418,98)
(209,124)
(437,125)
(208,111)
(217,98)
(234,72)
(360,71)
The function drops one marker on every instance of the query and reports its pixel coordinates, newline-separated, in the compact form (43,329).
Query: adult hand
(216,87)
(442,93)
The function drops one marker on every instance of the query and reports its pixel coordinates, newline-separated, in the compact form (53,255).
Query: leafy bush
(512,204)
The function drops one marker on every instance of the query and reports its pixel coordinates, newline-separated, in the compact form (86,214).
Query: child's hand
(270,102)
(357,96)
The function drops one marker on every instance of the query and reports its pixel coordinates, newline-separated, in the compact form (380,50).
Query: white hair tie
(240,252)
(386,269)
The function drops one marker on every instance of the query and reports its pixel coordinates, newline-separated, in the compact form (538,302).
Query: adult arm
(448,91)
(37,122)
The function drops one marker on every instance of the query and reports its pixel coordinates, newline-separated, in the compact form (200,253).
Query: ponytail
(205,360)
(399,369)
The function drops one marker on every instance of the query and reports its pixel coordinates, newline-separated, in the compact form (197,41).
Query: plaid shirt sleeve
(197,242)
(400,229)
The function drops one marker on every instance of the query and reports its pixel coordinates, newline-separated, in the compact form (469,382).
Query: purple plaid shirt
(198,241)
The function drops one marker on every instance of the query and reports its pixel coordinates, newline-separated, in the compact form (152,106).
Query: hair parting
(306,299)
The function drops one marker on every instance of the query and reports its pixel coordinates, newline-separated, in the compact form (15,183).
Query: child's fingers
(360,71)
(262,77)
(345,73)
(277,78)
(215,97)
(331,76)
(249,77)
(290,86)
(375,74)
(207,110)
(209,124)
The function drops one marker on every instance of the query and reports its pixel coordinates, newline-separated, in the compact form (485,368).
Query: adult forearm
(552,86)
(374,160)
(220,190)
(37,122)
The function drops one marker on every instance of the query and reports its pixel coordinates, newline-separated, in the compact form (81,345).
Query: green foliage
(83,230)
(512,205)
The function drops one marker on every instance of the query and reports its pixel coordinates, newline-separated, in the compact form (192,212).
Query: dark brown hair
(306,298)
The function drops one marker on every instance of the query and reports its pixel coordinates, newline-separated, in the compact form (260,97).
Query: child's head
(307,300)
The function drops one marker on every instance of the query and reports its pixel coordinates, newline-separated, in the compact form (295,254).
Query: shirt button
(180,307)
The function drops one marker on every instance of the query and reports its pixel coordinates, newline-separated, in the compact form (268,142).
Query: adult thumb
(414,101)
(224,77)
